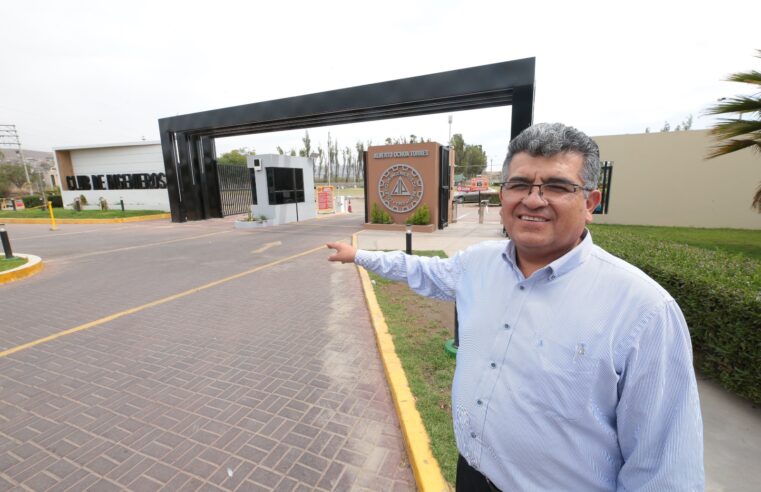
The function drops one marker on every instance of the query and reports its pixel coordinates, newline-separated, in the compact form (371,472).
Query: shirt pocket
(561,384)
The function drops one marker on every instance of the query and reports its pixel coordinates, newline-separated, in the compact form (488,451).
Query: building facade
(664,179)
(282,187)
(132,173)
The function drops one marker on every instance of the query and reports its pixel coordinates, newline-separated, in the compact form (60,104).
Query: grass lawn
(735,241)
(11,264)
(65,213)
(419,327)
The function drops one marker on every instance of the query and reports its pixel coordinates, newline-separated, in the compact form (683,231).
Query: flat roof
(102,146)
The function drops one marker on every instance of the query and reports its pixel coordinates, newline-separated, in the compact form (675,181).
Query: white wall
(126,159)
(282,214)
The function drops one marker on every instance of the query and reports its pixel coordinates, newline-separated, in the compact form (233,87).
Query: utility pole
(9,136)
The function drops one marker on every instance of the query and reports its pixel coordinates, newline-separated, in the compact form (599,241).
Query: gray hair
(548,139)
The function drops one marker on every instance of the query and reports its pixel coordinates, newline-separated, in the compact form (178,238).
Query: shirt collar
(562,265)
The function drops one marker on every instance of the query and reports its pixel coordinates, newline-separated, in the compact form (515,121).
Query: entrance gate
(234,189)
(187,141)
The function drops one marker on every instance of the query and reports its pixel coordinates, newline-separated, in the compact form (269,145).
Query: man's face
(544,230)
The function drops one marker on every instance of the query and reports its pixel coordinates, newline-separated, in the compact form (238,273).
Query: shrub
(378,216)
(56,200)
(31,201)
(720,295)
(421,216)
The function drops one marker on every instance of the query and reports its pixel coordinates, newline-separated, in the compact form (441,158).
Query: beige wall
(663,179)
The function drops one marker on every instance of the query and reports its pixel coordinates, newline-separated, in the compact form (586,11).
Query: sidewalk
(732,426)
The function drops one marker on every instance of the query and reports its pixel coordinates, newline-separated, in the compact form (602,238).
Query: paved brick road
(270,381)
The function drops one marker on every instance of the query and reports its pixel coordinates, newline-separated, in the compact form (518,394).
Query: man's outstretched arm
(345,253)
(432,277)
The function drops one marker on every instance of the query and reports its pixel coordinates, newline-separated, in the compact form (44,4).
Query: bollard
(52,218)
(451,345)
(409,239)
(6,242)
(481,208)
(122,204)
(456,328)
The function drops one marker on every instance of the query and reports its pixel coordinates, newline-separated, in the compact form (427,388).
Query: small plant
(103,203)
(250,217)
(378,216)
(82,200)
(421,216)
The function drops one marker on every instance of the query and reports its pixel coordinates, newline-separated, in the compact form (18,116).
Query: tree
(470,160)
(12,177)
(735,134)
(236,157)
(306,149)
(280,150)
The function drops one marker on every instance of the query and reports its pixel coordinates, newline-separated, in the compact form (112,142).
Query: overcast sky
(94,72)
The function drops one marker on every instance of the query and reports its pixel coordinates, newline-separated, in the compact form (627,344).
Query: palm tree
(736,134)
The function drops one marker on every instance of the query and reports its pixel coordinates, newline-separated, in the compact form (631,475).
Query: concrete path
(198,357)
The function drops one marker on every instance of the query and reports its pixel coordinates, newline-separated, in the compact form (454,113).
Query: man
(574,370)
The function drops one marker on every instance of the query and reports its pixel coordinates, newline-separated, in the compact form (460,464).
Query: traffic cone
(350,205)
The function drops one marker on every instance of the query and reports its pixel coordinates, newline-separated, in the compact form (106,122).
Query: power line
(9,136)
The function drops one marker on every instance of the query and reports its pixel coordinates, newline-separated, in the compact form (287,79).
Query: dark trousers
(471,480)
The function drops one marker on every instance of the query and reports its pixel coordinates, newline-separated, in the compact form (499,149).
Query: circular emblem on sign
(400,188)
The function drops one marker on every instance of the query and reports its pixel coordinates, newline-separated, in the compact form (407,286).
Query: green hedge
(31,201)
(720,295)
(56,200)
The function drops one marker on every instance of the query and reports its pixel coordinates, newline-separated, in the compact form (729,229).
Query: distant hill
(33,158)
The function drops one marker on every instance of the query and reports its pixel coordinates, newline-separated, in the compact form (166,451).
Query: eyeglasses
(518,190)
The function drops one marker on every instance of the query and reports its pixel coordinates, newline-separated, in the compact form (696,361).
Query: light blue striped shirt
(578,378)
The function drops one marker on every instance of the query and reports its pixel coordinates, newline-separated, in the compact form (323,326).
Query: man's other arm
(660,429)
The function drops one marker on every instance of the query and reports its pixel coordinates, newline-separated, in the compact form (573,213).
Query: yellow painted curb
(425,467)
(138,218)
(32,266)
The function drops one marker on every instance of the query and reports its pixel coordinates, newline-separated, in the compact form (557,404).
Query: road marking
(158,302)
(267,246)
(70,233)
(128,248)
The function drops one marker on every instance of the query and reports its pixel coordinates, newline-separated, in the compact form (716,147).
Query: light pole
(449,141)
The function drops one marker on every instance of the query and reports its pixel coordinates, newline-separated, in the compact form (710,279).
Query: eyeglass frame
(576,187)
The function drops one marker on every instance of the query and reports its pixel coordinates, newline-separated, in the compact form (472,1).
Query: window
(285,185)
(252,173)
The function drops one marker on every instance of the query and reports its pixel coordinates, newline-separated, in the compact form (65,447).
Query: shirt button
(521,287)
(479,402)
(507,326)
(552,277)
(473,435)
(493,365)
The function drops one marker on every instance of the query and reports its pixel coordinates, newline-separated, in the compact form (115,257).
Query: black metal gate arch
(187,141)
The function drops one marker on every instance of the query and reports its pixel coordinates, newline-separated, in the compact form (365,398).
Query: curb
(139,218)
(32,266)
(424,466)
